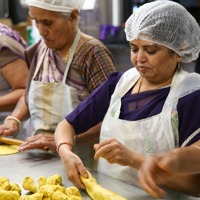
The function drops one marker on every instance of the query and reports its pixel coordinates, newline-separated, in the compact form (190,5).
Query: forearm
(90,136)
(64,133)
(135,160)
(9,101)
(21,110)
(186,156)
(186,184)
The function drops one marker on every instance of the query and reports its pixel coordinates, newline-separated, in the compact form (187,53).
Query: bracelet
(196,147)
(16,119)
(68,143)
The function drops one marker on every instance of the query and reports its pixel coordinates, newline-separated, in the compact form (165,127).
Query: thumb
(83,171)
(169,163)
(96,146)
(10,131)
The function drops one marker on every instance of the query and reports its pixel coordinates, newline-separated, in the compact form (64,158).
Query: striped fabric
(94,63)
(6,30)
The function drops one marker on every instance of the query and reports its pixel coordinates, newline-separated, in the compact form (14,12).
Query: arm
(16,74)
(115,152)
(73,165)
(90,136)
(174,170)
(86,115)
(40,140)
(150,174)
(10,126)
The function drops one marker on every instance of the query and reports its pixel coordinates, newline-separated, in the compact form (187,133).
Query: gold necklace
(66,57)
(140,85)
(137,106)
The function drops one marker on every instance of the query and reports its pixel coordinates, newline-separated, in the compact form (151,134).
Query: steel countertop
(36,163)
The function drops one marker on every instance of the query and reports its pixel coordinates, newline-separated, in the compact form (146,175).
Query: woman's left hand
(39,141)
(114,152)
(151,176)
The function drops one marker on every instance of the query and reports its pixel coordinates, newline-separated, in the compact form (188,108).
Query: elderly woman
(13,74)
(66,65)
(151,108)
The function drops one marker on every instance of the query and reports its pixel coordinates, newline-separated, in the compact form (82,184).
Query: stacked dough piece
(49,189)
(9,191)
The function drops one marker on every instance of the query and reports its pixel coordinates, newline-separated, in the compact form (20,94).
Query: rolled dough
(8,149)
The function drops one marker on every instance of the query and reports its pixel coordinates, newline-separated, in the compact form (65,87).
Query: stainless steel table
(36,163)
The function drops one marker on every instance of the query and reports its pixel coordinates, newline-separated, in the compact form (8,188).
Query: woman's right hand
(73,166)
(10,127)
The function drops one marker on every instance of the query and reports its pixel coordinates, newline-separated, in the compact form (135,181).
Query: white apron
(151,135)
(50,103)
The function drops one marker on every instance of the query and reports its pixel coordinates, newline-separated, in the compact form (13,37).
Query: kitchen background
(103,19)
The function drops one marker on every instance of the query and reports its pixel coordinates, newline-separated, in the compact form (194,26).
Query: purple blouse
(92,111)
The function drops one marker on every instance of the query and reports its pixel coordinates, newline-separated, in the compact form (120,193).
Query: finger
(112,160)
(150,183)
(103,143)
(31,145)
(111,157)
(28,146)
(10,131)
(102,152)
(42,138)
(2,128)
(169,163)
(80,171)
(146,187)
(77,182)
(35,137)
(164,166)
(95,146)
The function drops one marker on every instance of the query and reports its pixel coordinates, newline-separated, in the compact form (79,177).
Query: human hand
(73,166)
(10,127)
(156,170)
(38,141)
(114,152)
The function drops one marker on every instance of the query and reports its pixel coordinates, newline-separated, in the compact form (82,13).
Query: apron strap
(39,63)
(73,49)
(130,77)
(71,55)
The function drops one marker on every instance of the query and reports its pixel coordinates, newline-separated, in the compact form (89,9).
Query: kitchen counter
(36,163)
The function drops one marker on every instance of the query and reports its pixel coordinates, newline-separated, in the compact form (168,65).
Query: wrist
(68,146)
(14,120)
(136,160)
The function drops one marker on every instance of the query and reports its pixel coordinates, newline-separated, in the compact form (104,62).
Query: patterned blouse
(90,67)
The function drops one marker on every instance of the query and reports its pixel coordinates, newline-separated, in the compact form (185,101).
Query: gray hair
(68,14)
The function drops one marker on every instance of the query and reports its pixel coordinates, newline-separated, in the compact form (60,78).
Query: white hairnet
(166,23)
(57,5)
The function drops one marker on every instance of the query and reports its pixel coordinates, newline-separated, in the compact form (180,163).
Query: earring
(73,27)
(179,64)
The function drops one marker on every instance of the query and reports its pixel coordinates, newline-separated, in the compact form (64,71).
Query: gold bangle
(16,119)
(68,143)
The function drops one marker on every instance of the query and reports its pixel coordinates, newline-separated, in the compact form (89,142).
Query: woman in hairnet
(151,108)
(66,65)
